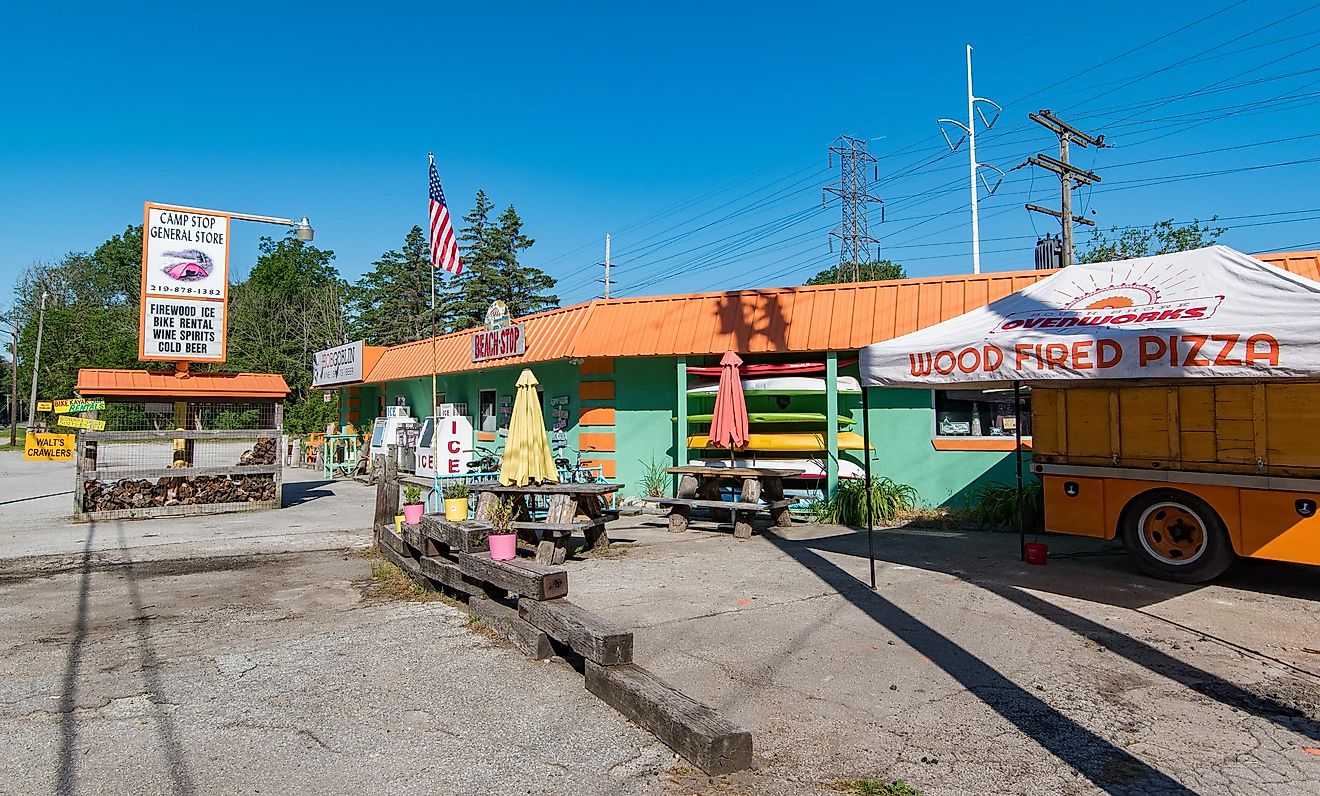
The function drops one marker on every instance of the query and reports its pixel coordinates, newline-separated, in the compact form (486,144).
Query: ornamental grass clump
(847,506)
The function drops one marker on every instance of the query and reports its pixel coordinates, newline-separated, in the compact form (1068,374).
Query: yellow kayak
(788,441)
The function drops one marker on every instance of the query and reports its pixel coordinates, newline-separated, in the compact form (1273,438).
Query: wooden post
(772,489)
(678,518)
(687,486)
(553,547)
(597,538)
(386,507)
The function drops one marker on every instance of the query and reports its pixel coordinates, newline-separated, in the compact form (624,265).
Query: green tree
(289,266)
(1164,237)
(392,302)
(859,272)
(91,314)
(492,269)
(290,307)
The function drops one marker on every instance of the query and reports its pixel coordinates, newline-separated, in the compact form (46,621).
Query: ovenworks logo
(1119,305)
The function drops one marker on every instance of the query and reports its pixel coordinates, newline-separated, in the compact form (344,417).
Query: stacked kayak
(813,441)
(783,385)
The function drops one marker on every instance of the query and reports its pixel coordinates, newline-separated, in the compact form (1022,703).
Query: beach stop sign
(1211,312)
(500,338)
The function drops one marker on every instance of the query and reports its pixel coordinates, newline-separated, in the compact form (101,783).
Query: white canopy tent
(1207,313)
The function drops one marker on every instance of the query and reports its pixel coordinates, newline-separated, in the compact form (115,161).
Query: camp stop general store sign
(185,284)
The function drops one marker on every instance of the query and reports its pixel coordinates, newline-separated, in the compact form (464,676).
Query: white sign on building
(182,330)
(339,365)
(445,447)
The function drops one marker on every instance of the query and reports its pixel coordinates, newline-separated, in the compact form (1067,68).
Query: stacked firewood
(264,452)
(178,491)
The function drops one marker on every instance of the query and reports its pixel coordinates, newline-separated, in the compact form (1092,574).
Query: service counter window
(980,413)
(486,419)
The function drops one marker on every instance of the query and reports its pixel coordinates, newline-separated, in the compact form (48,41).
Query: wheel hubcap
(1172,533)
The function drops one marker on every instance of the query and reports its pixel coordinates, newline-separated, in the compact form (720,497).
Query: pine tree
(491,269)
(392,301)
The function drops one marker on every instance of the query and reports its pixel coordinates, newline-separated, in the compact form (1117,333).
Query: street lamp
(302,230)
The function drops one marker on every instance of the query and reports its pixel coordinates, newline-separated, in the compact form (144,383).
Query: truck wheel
(1176,536)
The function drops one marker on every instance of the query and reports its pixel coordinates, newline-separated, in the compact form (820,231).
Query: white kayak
(783,385)
(811,468)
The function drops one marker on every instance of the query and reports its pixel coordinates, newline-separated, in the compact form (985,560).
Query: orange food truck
(1176,402)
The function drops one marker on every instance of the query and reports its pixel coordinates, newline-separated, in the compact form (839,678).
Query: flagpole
(435,410)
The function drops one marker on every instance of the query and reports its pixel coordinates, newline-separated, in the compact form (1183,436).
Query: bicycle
(573,472)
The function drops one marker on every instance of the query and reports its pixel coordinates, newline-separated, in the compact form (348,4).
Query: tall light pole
(969,132)
(36,361)
(13,384)
(302,230)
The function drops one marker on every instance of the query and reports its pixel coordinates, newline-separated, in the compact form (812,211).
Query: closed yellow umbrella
(527,454)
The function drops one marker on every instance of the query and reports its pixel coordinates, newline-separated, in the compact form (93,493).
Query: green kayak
(777,417)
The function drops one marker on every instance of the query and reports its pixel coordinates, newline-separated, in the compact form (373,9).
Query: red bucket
(1035,553)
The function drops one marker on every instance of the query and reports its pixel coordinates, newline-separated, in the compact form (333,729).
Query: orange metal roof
(840,317)
(548,336)
(107,383)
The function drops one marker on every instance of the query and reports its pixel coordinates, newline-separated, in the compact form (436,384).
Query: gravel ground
(285,674)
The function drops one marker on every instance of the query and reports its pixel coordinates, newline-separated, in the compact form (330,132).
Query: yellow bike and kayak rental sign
(87,424)
(68,405)
(48,447)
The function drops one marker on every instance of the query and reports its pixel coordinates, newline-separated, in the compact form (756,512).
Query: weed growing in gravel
(873,787)
(390,581)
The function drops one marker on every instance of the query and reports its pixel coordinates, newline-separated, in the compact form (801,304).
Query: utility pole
(1070,177)
(13,384)
(974,167)
(607,280)
(36,362)
(854,192)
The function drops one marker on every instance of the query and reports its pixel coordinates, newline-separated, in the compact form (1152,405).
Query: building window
(486,410)
(980,413)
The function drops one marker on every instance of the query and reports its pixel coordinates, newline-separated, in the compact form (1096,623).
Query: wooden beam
(693,729)
(461,537)
(520,577)
(589,635)
(504,620)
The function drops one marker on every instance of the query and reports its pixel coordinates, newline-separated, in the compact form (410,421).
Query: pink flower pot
(503,546)
(412,512)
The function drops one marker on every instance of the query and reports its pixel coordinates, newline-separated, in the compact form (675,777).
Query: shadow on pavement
(298,492)
(1107,585)
(1107,766)
(35,497)
(66,758)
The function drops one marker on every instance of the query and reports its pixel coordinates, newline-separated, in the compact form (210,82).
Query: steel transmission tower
(854,192)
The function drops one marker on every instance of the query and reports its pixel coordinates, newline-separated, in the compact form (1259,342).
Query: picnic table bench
(699,488)
(568,502)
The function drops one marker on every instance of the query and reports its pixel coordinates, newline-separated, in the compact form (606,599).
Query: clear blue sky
(608,118)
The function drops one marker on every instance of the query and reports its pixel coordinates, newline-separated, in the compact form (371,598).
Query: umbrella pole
(866,458)
(1017,455)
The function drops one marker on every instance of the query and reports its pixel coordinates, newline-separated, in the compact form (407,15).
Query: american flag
(444,246)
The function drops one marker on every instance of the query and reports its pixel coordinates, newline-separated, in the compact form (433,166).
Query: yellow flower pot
(398,524)
(456,509)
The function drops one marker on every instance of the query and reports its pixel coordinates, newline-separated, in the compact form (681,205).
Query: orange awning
(111,383)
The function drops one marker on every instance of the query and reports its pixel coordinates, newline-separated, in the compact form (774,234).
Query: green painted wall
(901,425)
(645,391)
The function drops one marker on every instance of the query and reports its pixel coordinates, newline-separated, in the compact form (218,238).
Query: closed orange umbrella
(728,427)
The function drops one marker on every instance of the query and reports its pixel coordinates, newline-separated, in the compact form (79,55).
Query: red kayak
(769,368)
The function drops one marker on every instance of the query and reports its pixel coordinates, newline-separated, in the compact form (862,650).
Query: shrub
(996,504)
(500,516)
(848,506)
(457,491)
(412,494)
(654,478)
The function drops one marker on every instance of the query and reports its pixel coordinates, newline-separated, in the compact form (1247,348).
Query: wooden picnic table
(568,502)
(699,487)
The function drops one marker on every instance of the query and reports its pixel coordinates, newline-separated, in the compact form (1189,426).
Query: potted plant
(456,502)
(503,540)
(413,507)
